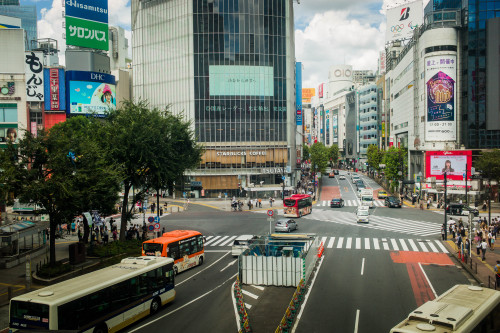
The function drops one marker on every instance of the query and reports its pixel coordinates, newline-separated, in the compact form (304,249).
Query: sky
(327,32)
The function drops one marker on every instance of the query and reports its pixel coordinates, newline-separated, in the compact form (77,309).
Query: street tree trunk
(52,241)
(123,224)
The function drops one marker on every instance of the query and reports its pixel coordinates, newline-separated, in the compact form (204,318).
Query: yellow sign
(307,93)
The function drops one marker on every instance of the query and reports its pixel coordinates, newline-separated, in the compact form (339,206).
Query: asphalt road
(371,277)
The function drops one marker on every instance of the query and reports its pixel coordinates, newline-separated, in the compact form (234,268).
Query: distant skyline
(326,32)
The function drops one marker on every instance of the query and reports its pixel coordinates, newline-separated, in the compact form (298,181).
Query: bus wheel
(155,305)
(201,261)
(101,328)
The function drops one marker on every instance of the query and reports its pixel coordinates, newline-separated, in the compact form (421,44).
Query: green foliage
(395,160)
(489,164)
(374,157)
(306,154)
(129,247)
(48,271)
(333,154)
(319,156)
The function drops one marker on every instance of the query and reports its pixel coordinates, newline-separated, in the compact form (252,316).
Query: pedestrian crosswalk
(357,243)
(351,203)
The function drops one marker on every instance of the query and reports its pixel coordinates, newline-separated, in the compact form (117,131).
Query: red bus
(297,205)
(186,247)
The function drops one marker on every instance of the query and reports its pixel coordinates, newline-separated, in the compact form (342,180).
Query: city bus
(297,205)
(186,247)
(106,300)
(461,309)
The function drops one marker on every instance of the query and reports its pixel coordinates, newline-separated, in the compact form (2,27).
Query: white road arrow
(230,264)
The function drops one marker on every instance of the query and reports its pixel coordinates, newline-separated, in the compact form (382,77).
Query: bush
(60,268)
(129,247)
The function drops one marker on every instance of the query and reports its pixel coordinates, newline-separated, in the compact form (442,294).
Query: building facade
(229,67)
(368,118)
(27,14)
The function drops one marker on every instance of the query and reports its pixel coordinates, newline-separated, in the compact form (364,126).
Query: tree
(62,170)
(374,157)
(395,160)
(305,152)
(489,164)
(333,154)
(151,148)
(319,156)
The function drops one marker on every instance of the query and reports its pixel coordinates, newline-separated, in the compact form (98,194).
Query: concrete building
(229,67)
(368,118)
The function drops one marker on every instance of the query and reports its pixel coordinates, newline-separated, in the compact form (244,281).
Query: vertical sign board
(335,125)
(34,76)
(87,24)
(298,93)
(327,127)
(55,90)
(320,90)
(440,78)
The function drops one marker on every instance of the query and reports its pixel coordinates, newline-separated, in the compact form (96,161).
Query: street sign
(157,219)
(464,174)
(157,226)
(151,227)
(151,219)
(283,178)
(270,212)
(184,194)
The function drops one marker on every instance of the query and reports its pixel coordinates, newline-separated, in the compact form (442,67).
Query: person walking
(270,201)
(497,274)
(484,246)
(428,203)
(442,232)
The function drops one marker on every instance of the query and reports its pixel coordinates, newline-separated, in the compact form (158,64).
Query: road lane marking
(422,245)
(403,244)
(358,243)
(207,267)
(194,300)
(348,244)
(367,243)
(248,306)
(357,322)
(376,245)
(213,239)
(441,246)
(323,240)
(394,245)
(413,246)
(341,240)
(305,298)
(385,245)
(330,243)
(229,240)
(218,241)
(230,264)
(362,266)
(257,287)
(428,281)
(433,248)
(249,294)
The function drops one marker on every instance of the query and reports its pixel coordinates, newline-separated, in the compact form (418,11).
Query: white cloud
(334,37)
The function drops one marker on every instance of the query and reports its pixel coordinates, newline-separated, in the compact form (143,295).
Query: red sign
(54,88)
(34,128)
(270,212)
(320,90)
(453,163)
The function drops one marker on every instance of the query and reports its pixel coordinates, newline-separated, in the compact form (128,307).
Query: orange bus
(297,205)
(186,247)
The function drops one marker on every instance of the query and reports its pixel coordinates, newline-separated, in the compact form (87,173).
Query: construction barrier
(242,312)
(321,248)
(286,323)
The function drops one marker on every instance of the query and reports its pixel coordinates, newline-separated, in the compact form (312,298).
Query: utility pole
(466,197)
(489,202)
(445,211)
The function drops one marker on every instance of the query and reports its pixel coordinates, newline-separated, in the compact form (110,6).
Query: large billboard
(34,76)
(241,80)
(55,89)
(307,94)
(8,22)
(90,93)
(452,162)
(403,20)
(440,78)
(87,23)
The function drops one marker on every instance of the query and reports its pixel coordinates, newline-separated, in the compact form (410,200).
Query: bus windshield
(289,202)
(152,247)
(29,314)
(367,199)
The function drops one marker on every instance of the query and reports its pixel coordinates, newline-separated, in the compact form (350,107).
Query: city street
(380,271)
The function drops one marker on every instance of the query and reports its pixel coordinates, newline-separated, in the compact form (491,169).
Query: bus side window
(194,245)
(184,249)
(173,251)
(200,242)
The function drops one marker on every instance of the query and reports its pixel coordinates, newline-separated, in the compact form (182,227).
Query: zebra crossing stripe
(208,238)
(348,244)
(219,241)
(395,245)
(441,246)
(367,243)
(412,244)
(330,243)
(323,240)
(376,245)
(385,245)
(341,240)
(422,245)
(403,244)
(228,241)
(433,248)
(211,240)
(358,243)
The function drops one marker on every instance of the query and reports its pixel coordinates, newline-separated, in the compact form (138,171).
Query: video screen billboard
(91,97)
(241,81)
(451,162)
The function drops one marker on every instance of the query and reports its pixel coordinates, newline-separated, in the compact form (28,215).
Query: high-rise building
(229,67)
(368,118)
(27,14)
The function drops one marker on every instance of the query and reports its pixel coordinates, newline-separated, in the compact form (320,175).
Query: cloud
(333,38)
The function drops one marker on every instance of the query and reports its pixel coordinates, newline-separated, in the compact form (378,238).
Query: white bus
(106,300)
(461,309)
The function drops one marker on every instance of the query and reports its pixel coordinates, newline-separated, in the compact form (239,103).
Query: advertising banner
(402,20)
(86,33)
(320,90)
(335,125)
(8,22)
(307,94)
(452,162)
(440,78)
(91,97)
(8,133)
(327,129)
(241,80)
(34,76)
(55,89)
(298,93)
(92,10)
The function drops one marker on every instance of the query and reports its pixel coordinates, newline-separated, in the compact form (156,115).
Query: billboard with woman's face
(453,163)
(8,134)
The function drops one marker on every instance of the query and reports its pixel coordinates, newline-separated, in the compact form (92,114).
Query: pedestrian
(485,205)
(79,234)
(459,242)
(442,232)
(484,246)
(260,203)
(497,273)
(115,235)
(492,242)
(478,245)
(428,203)
(105,237)
(270,201)
(467,248)
(249,204)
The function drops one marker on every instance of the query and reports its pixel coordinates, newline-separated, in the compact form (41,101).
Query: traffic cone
(459,255)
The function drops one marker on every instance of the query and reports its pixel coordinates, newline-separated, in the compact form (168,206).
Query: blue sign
(93,10)
(151,227)
(157,219)
(150,219)
(283,178)
(298,93)
(184,194)
(90,76)
(90,92)
(55,88)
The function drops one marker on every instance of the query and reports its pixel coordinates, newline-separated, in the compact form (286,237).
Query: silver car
(285,225)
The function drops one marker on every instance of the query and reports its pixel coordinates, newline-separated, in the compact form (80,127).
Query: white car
(363,216)
(341,177)
(241,243)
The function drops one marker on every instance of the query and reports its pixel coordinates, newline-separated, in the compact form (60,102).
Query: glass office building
(27,14)
(229,67)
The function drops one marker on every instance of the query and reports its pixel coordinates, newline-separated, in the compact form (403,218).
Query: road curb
(454,255)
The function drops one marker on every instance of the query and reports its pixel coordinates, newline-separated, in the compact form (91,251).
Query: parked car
(461,209)
(363,214)
(331,175)
(392,202)
(382,194)
(241,243)
(337,203)
(285,225)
